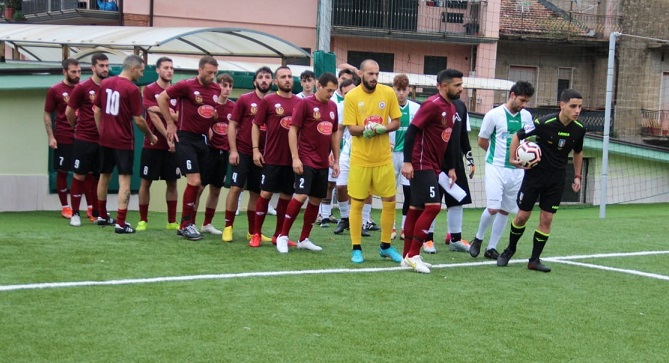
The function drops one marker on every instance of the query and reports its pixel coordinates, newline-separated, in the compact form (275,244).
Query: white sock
(484,224)
(366,213)
(498,227)
(434,223)
(343,209)
(455,219)
(326,210)
(404,218)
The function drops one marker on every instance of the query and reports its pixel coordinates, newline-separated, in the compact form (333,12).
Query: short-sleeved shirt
(435,120)
(82,100)
(317,121)
(151,93)
(360,108)
(119,101)
(555,139)
(219,135)
(196,104)
(408,112)
(56,101)
(274,113)
(499,126)
(245,110)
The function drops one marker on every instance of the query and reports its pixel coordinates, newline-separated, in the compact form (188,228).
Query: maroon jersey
(81,101)
(219,135)
(435,119)
(56,101)
(150,98)
(119,101)
(196,104)
(274,113)
(317,122)
(245,110)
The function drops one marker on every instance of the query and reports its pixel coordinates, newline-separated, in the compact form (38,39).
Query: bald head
(368,63)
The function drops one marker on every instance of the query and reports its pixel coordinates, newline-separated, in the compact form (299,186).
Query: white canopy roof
(40,40)
(467,82)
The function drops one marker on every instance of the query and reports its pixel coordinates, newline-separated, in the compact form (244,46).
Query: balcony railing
(413,16)
(47,6)
(654,122)
(593,120)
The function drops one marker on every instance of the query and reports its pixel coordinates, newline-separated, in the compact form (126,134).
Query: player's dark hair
(263,69)
(345,71)
(307,74)
(66,63)
(161,60)
(522,88)
(225,78)
(570,93)
(345,83)
(98,57)
(280,68)
(207,59)
(401,81)
(447,75)
(326,78)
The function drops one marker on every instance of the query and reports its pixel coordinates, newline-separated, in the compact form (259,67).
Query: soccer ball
(528,153)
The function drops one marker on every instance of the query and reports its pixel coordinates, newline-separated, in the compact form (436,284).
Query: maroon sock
(281,207)
(291,214)
(194,216)
(102,209)
(75,194)
(422,227)
(61,187)
(229,218)
(208,215)
(409,224)
(310,215)
(144,212)
(120,216)
(92,192)
(261,212)
(251,218)
(187,210)
(171,211)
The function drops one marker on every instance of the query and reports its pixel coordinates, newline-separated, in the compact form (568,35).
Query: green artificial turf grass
(461,314)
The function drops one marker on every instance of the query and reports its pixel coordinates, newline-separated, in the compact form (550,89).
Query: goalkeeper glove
(370,130)
(470,163)
(379,129)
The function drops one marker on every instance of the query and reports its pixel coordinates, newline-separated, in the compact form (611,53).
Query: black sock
(514,236)
(357,247)
(456,237)
(385,245)
(430,236)
(539,241)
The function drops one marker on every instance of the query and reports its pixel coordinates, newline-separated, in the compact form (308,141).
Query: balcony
(455,20)
(72,12)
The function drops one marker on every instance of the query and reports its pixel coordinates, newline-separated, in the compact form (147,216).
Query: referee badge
(562,143)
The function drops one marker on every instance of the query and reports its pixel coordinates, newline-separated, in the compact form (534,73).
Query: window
(433,64)
(386,61)
(457,18)
(456,4)
(564,80)
(301,61)
(525,73)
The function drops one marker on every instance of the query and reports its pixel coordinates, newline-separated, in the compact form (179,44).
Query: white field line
(562,259)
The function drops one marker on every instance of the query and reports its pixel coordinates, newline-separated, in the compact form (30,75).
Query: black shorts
(216,168)
(544,185)
(424,188)
(121,159)
(312,182)
(278,179)
(191,152)
(62,157)
(158,164)
(246,173)
(86,156)
(462,182)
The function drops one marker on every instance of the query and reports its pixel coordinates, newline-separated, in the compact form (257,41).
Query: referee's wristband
(577,177)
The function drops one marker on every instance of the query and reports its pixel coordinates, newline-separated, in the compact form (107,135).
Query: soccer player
(86,147)
(370,112)
(244,171)
(118,103)
(409,109)
(197,99)
(216,167)
(60,132)
(312,137)
(429,143)
(557,135)
(307,81)
(158,161)
(274,114)
(502,179)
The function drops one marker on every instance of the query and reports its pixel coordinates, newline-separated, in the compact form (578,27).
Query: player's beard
(102,75)
(368,85)
(262,89)
(284,88)
(454,96)
(73,80)
(165,80)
